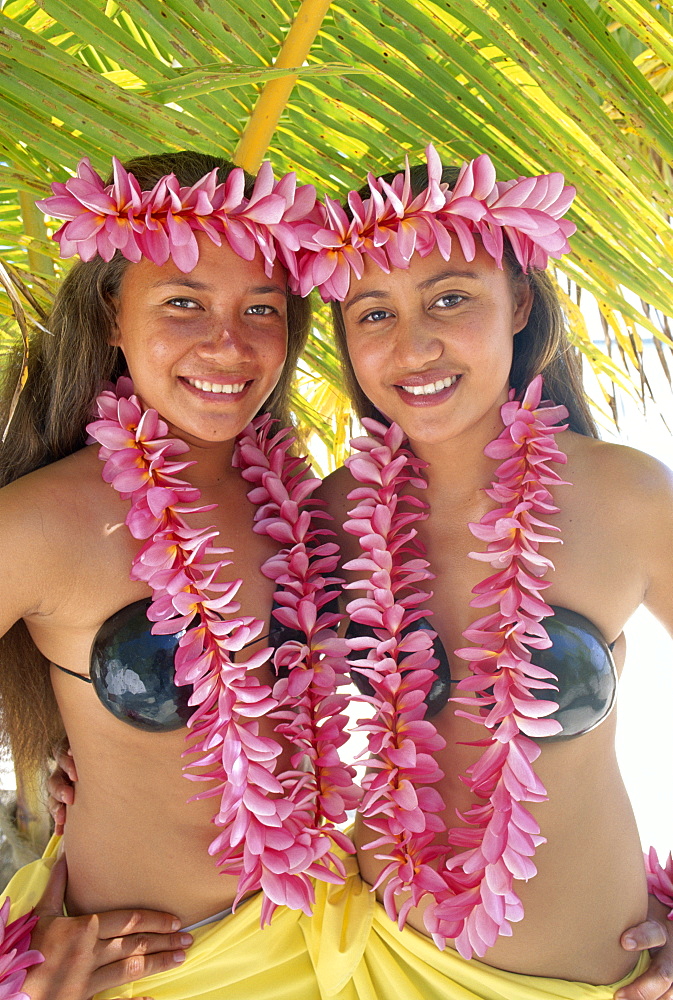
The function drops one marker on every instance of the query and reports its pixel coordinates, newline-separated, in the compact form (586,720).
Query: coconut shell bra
(535,672)
(133,674)
(132,670)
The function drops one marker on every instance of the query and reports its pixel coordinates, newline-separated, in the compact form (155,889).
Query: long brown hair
(541,347)
(68,362)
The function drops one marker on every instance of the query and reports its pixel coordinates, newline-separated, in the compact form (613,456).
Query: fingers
(135,967)
(119,923)
(62,754)
(57,811)
(66,761)
(649,934)
(79,963)
(60,787)
(654,984)
(51,900)
(60,792)
(134,945)
(137,943)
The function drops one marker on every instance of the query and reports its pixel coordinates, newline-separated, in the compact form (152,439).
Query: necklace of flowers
(16,955)
(276,830)
(470,895)
(660,878)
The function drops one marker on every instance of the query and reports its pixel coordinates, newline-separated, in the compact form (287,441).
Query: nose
(224,335)
(416,341)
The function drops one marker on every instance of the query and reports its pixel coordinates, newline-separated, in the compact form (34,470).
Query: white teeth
(216,387)
(431,387)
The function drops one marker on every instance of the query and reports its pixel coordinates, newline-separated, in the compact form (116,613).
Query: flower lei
(660,879)
(393,224)
(161,223)
(276,830)
(317,243)
(16,955)
(472,895)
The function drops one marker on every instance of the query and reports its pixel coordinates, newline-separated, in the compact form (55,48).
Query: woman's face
(207,348)
(431,346)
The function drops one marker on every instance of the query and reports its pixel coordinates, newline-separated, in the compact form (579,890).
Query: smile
(431,387)
(216,387)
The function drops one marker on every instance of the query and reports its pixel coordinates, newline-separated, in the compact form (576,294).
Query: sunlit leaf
(580,86)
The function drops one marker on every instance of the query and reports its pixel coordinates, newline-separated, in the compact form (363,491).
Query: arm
(64,958)
(656,933)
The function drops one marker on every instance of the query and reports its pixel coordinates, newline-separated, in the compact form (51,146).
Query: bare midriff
(132,838)
(590,885)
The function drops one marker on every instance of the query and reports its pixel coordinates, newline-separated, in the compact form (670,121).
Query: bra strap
(81,677)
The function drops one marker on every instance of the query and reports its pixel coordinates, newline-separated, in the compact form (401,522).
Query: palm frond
(580,86)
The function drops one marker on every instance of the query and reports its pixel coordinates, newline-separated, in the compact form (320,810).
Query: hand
(99,951)
(61,787)
(656,935)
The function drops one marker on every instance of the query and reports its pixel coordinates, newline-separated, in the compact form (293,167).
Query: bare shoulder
(628,496)
(57,493)
(45,518)
(619,475)
(334,491)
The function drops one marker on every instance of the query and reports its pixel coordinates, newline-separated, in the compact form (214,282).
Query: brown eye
(260,310)
(183,303)
(375,316)
(449,300)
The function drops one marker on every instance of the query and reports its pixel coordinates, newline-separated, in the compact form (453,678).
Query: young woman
(154,344)
(183,286)
(446,319)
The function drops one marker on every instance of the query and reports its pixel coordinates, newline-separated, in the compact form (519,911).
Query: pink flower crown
(393,224)
(161,223)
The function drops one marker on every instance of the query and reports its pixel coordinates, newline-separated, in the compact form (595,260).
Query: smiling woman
(207,346)
(413,335)
(448,326)
(181,298)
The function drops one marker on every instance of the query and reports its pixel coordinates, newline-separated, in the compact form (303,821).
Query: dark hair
(541,347)
(67,364)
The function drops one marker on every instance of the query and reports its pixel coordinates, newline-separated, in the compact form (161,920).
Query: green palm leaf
(581,86)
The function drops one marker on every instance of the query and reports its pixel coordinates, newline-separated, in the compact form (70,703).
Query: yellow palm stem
(256,138)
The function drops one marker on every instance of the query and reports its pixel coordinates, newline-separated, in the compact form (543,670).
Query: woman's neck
(457,468)
(212,461)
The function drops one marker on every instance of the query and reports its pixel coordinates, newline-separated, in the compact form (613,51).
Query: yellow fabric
(348,950)
(360,954)
(233,959)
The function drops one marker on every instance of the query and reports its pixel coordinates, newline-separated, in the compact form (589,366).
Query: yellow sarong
(348,950)
(232,959)
(359,954)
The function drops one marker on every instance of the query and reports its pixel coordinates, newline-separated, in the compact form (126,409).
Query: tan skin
(440,319)
(224,323)
(176,873)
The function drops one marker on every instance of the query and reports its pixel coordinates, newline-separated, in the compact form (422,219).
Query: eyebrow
(448,274)
(428,283)
(201,286)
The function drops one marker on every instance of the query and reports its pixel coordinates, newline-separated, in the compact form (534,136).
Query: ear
(523,303)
